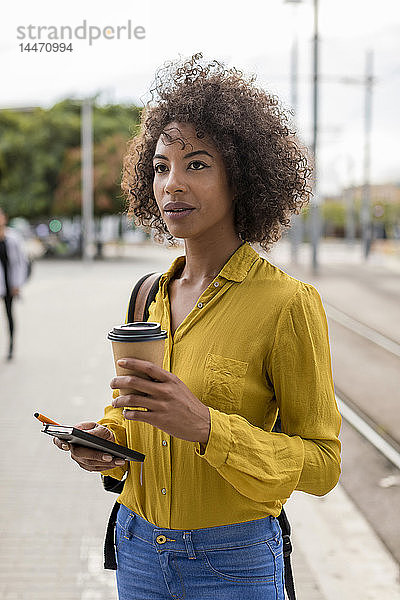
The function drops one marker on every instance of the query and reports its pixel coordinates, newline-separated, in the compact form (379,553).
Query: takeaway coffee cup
(144,340)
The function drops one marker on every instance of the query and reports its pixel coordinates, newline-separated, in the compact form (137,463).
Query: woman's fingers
(134,401)
(89,455)
(87,458)
(62,444)
(95,429)
(143,376)
(93,460)
(96,468)
(145,368)
(91,427)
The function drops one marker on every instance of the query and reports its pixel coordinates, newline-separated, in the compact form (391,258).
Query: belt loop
(129,524)
(187,536)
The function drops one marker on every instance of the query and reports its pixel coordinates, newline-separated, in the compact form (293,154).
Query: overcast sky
(255,35)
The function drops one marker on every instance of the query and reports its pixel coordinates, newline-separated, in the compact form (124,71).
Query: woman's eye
(160,168)
(197,165)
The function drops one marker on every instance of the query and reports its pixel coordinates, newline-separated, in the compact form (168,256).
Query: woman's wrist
(202,448)
(203,439)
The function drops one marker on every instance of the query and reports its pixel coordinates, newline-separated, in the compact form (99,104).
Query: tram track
(349,409)
(363,330)
(361,302)
(370,434)
(369,430)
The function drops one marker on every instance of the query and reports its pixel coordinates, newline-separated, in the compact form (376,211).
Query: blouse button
(200,305)
(164,442)
(164,491)
(216,283)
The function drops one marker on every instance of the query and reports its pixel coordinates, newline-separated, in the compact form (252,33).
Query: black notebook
(83,438)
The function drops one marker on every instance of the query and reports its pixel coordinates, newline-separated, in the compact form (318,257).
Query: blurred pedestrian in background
(13,272)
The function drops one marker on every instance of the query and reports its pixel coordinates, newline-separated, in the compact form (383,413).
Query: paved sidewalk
(344,557)
(53,514)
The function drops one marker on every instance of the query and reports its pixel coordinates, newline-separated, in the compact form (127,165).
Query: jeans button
(161,539)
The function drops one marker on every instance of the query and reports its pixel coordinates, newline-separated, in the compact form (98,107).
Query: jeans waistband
(209,538)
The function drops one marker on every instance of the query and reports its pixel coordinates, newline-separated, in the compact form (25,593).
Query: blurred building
(380,194)
(341,213)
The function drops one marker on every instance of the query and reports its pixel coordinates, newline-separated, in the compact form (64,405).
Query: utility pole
(366,224)
(348,194)
(315,212)
(87,179)
(367,81)
(296,230)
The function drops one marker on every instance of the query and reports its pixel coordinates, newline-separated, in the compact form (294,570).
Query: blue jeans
(240,561)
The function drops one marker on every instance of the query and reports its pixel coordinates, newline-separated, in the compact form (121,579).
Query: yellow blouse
(256,340)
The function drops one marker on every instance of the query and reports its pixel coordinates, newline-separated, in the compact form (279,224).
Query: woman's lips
(178,214)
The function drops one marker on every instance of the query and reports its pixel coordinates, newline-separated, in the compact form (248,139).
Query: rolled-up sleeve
(301,373)
(267,466)
(115,422)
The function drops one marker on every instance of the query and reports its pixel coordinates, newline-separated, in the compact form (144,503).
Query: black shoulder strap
(110,484)
(151,296)
(110,561)
(134,294)
(137,296)
(286,529)
(287,550)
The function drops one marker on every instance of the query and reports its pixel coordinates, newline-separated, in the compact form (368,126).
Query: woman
(13,273)
(216,165)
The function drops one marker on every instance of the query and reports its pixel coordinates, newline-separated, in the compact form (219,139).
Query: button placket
(194,314)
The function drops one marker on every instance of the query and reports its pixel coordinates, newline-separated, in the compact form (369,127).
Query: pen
(44,419)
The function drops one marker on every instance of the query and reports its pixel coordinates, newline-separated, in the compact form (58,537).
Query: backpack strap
(286,529)
(110,561)
(142,296)
(287,550)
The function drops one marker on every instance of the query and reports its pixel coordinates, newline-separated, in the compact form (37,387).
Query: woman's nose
(175,183)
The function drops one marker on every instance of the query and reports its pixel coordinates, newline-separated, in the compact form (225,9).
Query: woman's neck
(204,261)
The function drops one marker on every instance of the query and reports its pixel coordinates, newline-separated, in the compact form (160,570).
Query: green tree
(107,158)
(34,146)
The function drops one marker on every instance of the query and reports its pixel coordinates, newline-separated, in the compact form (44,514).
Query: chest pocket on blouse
(224,382)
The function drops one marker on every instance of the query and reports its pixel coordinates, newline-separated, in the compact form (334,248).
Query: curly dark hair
(267,167)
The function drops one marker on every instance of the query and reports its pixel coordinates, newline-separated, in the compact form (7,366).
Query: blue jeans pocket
(254,563)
